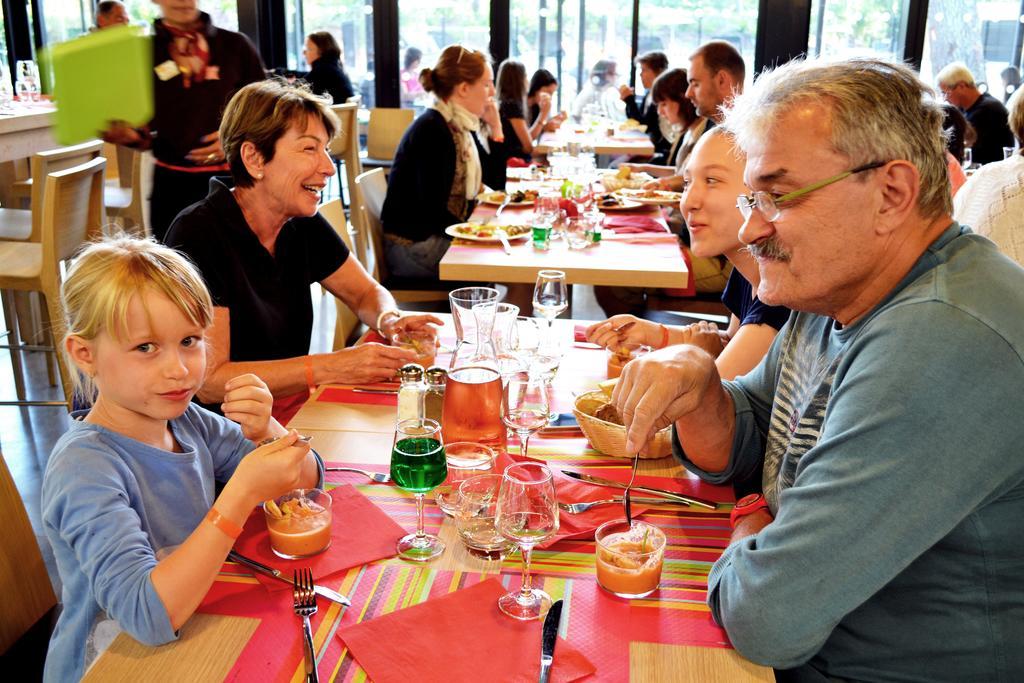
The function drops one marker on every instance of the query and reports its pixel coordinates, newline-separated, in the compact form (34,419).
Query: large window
(546,34)
(983,35)
(431,25)
(65,19)
(857,27)
(351,24)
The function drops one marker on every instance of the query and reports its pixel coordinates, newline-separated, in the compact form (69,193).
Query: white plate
(664,198)
(626,205)
(497,198)
(452,231)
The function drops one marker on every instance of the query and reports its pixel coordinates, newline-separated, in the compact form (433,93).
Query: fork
(304,603)
(625,497)
(379,477)
(577,508)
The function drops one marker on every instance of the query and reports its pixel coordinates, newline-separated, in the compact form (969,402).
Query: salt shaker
(411,392)
(433,402)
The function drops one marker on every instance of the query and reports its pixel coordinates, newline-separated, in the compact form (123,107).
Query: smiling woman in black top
(261,245)
(326,74)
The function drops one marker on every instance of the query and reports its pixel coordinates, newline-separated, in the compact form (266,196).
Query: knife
(322,591)
(548,639)
(590,479)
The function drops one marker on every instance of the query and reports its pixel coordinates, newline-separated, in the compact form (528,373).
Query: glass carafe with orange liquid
(472,397)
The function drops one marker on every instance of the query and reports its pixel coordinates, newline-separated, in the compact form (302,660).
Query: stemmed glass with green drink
(418,465)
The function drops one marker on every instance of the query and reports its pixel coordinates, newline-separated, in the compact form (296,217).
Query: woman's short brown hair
(261,113)
(327,45)
(457,64)
(672,85)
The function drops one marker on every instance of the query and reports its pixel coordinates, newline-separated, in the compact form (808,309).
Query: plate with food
(516,197)
(478,232)
(609,201)
(662,197)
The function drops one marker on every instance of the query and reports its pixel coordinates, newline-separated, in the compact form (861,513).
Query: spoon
(625,498)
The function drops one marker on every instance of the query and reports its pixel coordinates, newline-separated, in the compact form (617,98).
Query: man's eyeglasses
(768,203)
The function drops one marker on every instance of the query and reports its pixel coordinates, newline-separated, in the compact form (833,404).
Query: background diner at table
(262,243)
(660,129)
(443,162)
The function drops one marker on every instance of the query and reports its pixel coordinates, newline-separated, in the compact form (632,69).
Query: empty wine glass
(527,513)
(550,295)
(524,406)
(418,465)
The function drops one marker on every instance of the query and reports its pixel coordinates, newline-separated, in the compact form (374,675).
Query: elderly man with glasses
(888,543)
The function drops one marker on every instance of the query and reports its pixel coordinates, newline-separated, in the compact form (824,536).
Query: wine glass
(550,295)
(27,79)
(524,406)
(418,465)
(527,513)
(967,158)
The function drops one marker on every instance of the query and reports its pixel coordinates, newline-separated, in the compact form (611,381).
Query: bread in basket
(610,438)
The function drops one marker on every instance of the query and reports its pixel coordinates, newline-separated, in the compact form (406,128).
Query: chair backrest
(45,163)
(385,131)
(27,591)
(125,165)
(373,187)
(345,145)
(72,215)
(346,321)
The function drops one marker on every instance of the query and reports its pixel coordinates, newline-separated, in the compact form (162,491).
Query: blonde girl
(128,499)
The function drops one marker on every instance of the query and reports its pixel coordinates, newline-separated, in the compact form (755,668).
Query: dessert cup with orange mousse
(299,523)
(629,558)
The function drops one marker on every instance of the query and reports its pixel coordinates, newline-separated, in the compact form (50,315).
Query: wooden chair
(372,188)
(21,224)
(346,321)
(123,200)
(28,594)
(72,214)
(344,148)
(384,132)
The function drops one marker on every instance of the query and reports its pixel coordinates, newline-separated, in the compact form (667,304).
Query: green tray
(101,77)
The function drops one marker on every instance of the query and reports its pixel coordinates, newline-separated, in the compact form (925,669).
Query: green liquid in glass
(418,464)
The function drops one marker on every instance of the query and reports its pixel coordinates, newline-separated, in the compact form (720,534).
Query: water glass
(418,465)
(968,160)
(504,328)
(476,508)
(464,459)
(576,233)
(527,513)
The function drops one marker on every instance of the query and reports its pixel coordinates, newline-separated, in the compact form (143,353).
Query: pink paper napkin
(342,395)
(628,225)
(461,636)
(361,533)
(583,525)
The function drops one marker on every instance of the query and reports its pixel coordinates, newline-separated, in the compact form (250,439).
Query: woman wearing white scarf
(443,162)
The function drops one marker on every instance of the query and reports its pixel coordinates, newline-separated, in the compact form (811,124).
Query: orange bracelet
(225,525)
(664,337)
(309,374)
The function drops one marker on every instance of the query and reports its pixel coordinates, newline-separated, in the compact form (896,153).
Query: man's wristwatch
(748,505)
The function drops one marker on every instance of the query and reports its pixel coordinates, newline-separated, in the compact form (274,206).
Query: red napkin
(361,533)
(285,407)
(584,524)
(629,225)
(516,162)
(458,637)
(341,395)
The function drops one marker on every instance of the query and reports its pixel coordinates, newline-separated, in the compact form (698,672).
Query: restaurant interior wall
(568,36)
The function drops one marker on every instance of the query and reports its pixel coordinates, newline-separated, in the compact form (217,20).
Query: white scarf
(459,118)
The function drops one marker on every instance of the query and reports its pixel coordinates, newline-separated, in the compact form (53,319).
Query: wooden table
(638,260)
(27,131)
(633,143)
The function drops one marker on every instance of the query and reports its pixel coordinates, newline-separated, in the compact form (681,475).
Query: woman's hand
(640,332)
(366,363)
(544,102)
(211,153)
(394,327)
(273,469)
(491,117)
(248,401)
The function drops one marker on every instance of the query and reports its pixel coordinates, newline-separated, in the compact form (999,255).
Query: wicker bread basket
(609,438)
